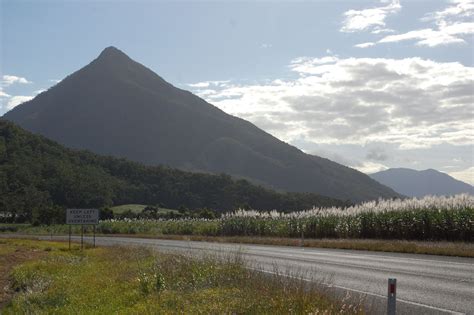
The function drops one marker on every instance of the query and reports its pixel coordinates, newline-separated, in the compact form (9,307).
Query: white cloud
(370,167)
(466,175)
(8,80)
(382,30)
(9,101)
(372,19)
(411,102)
(3,94)
(199,84)
(458,8)
(266,45)
(445,35)
(449,26)
(17,100)
(205,84)
(364,45)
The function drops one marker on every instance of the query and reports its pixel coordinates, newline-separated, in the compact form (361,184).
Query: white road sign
(82,216)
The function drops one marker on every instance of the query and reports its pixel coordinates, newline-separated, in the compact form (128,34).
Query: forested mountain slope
(37,175)
(116,106)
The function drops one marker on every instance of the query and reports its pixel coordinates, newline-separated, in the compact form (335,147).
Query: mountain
(116,106)
(415,183)
(37,175)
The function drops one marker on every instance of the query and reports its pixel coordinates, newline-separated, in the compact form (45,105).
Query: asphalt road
(425,284)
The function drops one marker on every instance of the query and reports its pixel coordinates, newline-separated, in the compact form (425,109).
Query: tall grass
(428,218)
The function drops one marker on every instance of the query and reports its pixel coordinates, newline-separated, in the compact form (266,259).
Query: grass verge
(140,281)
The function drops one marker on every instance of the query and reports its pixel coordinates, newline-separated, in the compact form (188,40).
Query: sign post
(82,217)
(69,237)
(392,296)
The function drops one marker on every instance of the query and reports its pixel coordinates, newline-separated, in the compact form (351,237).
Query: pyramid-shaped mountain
(119,107)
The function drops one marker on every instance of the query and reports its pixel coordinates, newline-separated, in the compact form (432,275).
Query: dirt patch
(7,262)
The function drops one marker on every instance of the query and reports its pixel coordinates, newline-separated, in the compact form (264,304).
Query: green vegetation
(134,211)
(404,225)
(135,208)
(431,218)
(138,281)
(39,179)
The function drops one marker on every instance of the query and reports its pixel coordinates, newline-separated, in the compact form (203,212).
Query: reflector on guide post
(392,296)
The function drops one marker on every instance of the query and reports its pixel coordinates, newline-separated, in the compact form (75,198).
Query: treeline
(156,213)
(40,178)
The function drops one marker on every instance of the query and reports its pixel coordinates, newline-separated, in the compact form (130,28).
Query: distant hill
(38,176)
(415,183)
(116,106)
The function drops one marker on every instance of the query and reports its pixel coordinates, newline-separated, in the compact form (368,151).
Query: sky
(369,84)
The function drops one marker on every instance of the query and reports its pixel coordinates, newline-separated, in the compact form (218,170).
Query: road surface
(425,284)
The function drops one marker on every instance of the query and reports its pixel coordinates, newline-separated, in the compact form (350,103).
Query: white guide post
(392,297)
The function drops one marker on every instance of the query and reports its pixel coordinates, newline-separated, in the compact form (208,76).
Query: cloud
(364,45)
(370,167)
(458,8)
(448,26)
(466,175)
(445,35)
(377,154)
(8,80)
(383,30)
(3,94)
(205,84)
(17,100)
(266,45)
(199,84)
(372,19)
(8,101)
(411,103)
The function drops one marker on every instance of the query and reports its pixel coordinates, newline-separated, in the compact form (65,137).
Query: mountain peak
(112,52)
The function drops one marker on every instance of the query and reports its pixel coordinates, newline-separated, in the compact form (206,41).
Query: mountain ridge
(416,183)
(117,106)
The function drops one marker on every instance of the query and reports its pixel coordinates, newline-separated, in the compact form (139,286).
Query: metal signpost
(82,217)
(392,296)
